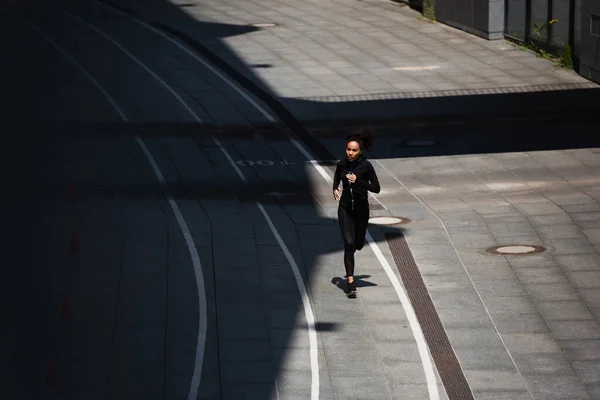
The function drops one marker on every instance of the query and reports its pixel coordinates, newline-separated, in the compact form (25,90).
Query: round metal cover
(389,220)
(516,249)
(264,25)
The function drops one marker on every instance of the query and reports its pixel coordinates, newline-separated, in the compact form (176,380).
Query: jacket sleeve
(371,183)
(337,177)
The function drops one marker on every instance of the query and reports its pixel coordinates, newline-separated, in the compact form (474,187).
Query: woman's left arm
(371,183)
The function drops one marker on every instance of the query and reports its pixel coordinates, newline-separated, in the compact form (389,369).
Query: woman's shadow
(360,281)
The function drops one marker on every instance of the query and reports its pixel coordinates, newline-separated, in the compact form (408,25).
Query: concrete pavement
(520,326)
(355,61)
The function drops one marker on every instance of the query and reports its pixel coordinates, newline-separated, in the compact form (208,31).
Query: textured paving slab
(532,301)
(360,48)
(350,62)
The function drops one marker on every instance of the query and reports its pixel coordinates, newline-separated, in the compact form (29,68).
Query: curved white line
(310,317)
(414,324)
(464,267)
(72,60)
(134,58)
(412,319)
(203,319)
(314,360)
(422,347)
(235,87)
(212,69)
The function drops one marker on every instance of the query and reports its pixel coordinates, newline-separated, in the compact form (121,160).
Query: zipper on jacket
(351,192)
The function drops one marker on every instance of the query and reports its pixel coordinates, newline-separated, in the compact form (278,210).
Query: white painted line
(134,58)
(412,319)
(310,318)
(73,61)
(408,309)
(314,360)
(311,160)
(202,318)
(231,84)
(199,59)
(422,345)
(461,262)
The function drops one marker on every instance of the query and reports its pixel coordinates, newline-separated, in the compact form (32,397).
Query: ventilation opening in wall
(595,25)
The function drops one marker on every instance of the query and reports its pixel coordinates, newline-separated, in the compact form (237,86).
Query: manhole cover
(515,250)
(262,65)
(389,220)
(420,143)
(264,25)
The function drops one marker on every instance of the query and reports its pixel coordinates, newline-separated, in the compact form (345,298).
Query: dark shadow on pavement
(341,282)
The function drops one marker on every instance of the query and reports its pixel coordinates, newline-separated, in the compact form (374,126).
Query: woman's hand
(336,195)
(351,178)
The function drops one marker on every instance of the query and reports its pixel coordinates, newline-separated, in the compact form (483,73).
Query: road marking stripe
(310,318)
(415,327)
(314,361)
(203,318)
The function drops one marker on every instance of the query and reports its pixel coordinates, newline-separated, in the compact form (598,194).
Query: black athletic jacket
(366,180)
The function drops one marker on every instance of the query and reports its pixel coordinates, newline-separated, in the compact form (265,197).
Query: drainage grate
(443,355)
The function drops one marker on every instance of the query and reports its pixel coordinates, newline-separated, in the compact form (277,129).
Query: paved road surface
(171,234)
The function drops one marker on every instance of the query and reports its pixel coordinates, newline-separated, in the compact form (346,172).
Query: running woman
(358,177)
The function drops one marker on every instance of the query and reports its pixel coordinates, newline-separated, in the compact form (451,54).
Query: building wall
(517,25)
(577,31)
(484,18)
(493,19)
(590,40)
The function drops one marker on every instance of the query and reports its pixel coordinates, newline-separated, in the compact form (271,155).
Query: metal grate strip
(443,355)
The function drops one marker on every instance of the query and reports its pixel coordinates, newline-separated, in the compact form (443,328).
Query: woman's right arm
(337,177)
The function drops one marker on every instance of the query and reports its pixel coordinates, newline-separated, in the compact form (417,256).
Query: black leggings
(353,224)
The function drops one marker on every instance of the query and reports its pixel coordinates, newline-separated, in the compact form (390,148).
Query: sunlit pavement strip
(515,307)
(540,309)
(343,48)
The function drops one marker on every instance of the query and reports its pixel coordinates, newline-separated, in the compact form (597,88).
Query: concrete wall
(516,23)
(487,18)
(577,33)
(484,18)
(589,54)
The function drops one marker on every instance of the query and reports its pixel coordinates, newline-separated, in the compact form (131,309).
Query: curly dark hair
(365,137)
